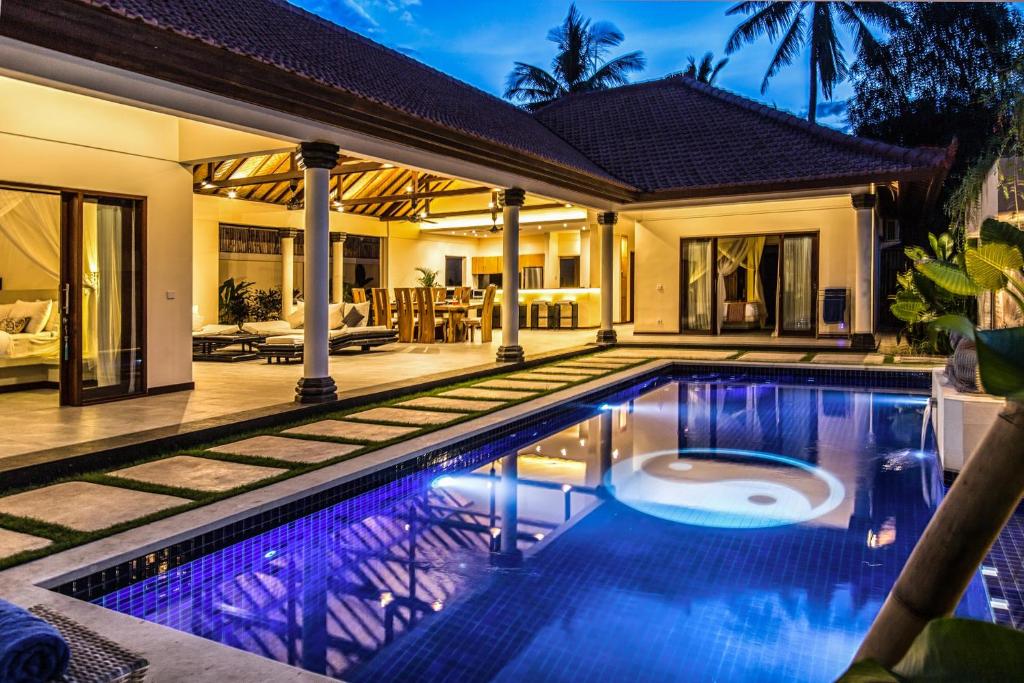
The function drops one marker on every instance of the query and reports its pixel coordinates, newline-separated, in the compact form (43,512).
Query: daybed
(288,347)
(214,342)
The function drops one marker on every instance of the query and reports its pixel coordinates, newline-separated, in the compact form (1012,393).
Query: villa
(155,156)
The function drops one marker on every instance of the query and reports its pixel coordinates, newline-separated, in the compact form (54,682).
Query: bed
(741,315)
(29,358)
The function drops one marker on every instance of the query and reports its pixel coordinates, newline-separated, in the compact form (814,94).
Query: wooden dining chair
(381,307)
(486,320)
(358,295)
(462,294)
(406,316)
(440,294)
(429,323)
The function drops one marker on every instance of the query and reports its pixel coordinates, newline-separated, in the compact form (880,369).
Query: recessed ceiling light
(387,165)
(232,194)
(568,205)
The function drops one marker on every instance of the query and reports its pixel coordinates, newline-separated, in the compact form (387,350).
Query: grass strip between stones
(63,538)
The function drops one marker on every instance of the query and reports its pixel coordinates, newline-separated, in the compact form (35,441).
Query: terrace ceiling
(366,188)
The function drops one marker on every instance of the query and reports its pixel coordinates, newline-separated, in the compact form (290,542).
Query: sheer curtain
(698,288)
(797,285)
(30,221)
(735,253)
(107,282)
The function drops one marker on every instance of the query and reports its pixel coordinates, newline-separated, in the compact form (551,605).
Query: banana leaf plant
(951,650)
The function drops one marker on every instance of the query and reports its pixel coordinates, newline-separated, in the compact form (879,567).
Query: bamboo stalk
(955,542)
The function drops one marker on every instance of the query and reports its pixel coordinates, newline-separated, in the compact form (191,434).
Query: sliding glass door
(102,299)
(799,284)
(698,285)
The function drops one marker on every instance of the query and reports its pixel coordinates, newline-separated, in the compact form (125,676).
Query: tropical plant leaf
(911,311)
(949,277)
(933,242)
(955,323)
(868,671)
(989,264)
(1002,232)
(1001,362)
(916,253)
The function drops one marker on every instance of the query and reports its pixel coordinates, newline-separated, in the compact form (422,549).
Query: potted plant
(427,278)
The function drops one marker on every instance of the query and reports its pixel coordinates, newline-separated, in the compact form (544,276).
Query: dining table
(455,312)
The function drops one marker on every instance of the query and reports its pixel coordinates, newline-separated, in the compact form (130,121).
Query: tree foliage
(579,64)
(706,70)
(816,27)
(940,75)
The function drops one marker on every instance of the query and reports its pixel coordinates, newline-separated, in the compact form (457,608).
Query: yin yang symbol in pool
(725,488)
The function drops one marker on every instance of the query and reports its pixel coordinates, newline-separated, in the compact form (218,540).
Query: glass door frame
(713,331)
(815,264)
(72,392)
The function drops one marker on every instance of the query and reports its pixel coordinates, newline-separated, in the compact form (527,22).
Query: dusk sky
(478,40)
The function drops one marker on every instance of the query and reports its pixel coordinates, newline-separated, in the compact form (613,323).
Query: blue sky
(478,40)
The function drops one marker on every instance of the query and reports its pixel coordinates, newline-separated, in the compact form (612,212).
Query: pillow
(335,316)
(38,313)
(5,310)
(197,320)
(267,327)
(296,317)
(13,325)
(353,317)
(364,310)
(53,322)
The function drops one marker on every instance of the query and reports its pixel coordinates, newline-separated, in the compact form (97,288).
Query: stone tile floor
(352,431)
(198,474)
(287,450)
(84,506)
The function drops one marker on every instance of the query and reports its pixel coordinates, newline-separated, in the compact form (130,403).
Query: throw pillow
(38,313)
(53,324)
(13,325)
(353,317)
(335,316)
(364,310)
(297,316)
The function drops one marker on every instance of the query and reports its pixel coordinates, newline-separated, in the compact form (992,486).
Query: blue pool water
(689,529)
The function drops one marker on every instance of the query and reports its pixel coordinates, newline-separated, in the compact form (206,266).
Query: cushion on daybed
(266,327)
(216,330)
(363,309)
(13,325)
(295,318)
(352,318)
(334,335)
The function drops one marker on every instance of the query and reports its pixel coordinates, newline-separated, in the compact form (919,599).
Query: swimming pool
(688,528)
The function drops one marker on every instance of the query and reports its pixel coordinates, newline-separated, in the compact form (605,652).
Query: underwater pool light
(442,481)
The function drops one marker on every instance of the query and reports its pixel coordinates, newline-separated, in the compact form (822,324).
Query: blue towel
(30,648)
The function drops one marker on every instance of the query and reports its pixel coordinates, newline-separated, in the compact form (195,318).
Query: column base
(607,337)
(316,390)
(507,559)
(862,341)
(510,354)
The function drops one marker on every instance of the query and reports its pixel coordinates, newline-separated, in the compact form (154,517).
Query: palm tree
(707,70)
(813,24)
(578,66)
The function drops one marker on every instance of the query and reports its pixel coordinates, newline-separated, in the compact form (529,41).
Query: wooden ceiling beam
(486,212)
(411,196)
(343,169)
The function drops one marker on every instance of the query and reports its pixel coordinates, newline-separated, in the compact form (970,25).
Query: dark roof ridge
(910,155)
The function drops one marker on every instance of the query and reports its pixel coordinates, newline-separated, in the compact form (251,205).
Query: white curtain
(797,290)
(733,254)
(30,221)
(698,289)
(104,258)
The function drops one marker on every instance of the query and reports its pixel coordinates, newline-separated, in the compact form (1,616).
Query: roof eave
(97,35)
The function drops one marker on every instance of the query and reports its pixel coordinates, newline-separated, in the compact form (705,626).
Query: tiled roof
(678,134)
(282,35)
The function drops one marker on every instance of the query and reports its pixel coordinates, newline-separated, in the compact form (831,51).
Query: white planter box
(960,420)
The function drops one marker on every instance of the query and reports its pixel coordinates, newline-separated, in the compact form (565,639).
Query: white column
(585,257)
(607,220)
(287,270)
(316,385)
(337,267)
(864,259)
(510,351)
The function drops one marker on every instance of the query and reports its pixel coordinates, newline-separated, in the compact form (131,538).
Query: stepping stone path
(600,364)
(679,354)
(513,384)
(84,506)
(549,376)
(493,394)
(773,356)
(287,450)
(352,431)
(573,370)
(200,474)
(858,358)
(13,542)
(404,416)
(467,405)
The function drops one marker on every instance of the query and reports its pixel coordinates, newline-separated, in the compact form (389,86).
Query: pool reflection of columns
(314,606)
(607,221)
(508,502)
(510,351)
(337,267)
(605,488)
(287,237)
(316,384)
(863,337)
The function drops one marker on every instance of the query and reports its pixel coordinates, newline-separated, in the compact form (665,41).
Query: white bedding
(44,345)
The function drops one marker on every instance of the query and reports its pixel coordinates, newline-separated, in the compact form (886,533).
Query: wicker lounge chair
(94,659)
